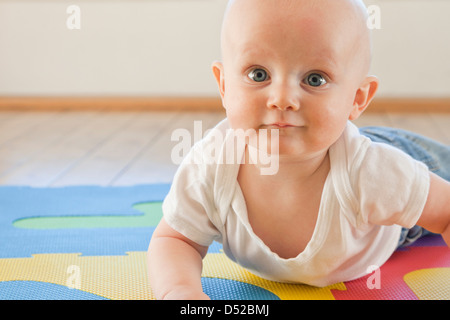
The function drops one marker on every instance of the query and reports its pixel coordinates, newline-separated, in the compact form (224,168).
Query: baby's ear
(217,68)
(364,95)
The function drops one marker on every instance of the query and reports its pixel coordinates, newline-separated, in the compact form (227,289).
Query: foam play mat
(87,242)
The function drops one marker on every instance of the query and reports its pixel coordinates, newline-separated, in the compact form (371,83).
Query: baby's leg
(434,154)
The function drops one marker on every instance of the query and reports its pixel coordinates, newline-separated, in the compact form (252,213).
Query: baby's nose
(284,97)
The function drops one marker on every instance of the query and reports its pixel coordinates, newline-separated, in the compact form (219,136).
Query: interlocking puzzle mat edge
(90,243)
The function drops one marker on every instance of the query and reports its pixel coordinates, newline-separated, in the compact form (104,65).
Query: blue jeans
(434,154)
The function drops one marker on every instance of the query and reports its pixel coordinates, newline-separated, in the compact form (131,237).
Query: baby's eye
(315,80)
(258,75)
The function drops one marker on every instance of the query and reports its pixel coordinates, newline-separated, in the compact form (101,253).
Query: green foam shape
(152,214)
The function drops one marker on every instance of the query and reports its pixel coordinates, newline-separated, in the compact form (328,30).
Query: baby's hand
(185,294)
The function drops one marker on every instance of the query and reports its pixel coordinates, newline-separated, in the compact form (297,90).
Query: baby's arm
(436,214)
(175,265)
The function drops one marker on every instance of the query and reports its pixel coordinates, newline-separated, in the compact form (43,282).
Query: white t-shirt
(372,190)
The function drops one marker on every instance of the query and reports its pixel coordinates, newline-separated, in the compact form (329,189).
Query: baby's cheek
(243,117)
(326,129)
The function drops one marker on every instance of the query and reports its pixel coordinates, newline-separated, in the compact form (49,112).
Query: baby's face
(295,66)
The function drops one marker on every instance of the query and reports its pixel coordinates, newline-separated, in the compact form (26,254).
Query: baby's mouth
(280,125)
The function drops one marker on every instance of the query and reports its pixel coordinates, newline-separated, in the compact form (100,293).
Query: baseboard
(124,104)
(410,105)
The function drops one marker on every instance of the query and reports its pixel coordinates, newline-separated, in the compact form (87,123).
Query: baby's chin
(282,146)
(289,142)
(289,150)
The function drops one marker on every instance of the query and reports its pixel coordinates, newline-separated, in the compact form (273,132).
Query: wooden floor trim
(410,105)
(123,104)
(109,103)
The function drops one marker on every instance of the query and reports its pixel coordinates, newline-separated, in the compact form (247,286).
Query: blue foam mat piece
(33,290)
(22,202)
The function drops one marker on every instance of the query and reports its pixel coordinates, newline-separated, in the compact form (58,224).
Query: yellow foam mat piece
(125,277)
(430,284)
(217,265)
(112,277)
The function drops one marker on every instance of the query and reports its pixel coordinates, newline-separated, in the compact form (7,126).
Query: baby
(340,200)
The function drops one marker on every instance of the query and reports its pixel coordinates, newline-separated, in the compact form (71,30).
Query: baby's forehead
(337,12)
(349,16)
(330,26)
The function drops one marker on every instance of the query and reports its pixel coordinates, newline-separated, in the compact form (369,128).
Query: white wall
(412,49)
(166,47)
